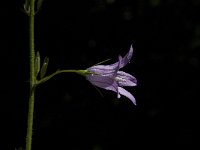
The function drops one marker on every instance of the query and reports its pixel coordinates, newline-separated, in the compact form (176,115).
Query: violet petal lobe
(108,69)
(125,79)
(124,92)
(126,59)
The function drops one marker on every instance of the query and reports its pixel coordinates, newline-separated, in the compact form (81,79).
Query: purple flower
(110,78)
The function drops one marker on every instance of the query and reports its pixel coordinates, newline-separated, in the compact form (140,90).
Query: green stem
(32,77)
(81,72)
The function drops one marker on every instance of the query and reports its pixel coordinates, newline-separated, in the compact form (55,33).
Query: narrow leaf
(39,4)
(27,6)
(44,67)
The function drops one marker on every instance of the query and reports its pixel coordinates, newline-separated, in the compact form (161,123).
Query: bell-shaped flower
(110,78)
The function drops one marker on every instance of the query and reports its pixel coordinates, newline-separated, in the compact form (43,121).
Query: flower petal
(126,59)
(125,79)
(122,91)
(104,69)
(110,69)
(104,82)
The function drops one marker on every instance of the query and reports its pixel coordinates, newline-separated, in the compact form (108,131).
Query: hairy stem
(32,77)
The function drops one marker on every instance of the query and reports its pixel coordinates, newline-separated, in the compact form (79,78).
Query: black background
(69,112)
